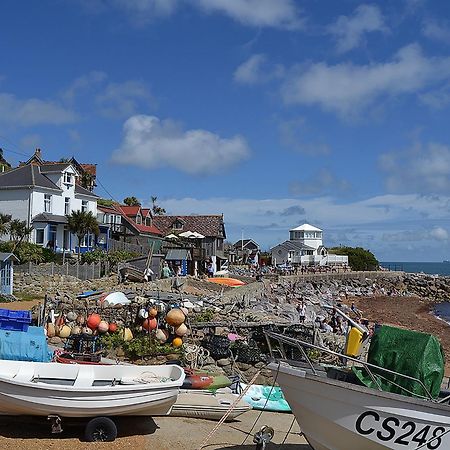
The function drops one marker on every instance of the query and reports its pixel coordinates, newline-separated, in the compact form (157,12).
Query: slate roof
(7,256)
(81,190)
(47,217)
(208,225)
(54,167)
(26,177)
(239,244)
(293,245)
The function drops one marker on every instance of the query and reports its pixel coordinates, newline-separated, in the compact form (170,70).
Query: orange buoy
(152,312)
(112,327)
(51,331)
(150,324)
(177,342)
(175,317)
(93,321)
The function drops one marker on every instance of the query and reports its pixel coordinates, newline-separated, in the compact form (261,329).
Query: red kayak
(196,381)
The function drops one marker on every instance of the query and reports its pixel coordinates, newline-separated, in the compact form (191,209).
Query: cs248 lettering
(388,429)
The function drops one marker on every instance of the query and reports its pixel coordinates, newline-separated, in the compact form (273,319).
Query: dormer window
(68,178)
(138,219)
(177,225)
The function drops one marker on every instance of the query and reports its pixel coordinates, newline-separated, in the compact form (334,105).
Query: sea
(433,268)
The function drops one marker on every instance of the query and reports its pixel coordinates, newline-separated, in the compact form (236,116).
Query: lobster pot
(248,353)
(218,346)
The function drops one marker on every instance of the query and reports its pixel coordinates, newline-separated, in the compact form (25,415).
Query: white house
(42,196)
(305,247)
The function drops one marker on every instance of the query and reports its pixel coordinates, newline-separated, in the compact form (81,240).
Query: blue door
(5,278)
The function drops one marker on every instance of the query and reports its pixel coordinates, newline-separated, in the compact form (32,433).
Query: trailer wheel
(100,429)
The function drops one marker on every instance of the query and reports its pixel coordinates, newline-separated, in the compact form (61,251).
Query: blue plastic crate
(15,320)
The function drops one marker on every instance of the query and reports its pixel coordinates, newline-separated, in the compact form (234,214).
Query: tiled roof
(90,168)
(130,210)
(26,177)
(146,211)
(211,226)
(119,209)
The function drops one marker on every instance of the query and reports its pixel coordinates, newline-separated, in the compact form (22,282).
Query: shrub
(28,252)
(358,258)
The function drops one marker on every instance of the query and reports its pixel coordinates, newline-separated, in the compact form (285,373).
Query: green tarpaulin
(411,353)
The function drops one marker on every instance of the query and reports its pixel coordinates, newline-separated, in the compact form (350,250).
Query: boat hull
(335,415)
(95,390)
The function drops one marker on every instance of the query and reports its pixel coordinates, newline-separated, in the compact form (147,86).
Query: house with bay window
(42,195)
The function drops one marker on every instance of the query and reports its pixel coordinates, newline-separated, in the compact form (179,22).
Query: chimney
(37,153)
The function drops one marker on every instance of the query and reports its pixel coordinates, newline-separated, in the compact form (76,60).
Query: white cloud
(350,30)
(439,233)
(348,88)
(124,99)
(257,13)
(257,70)
(423,168)
(439,31)
(150,142)
(33,111)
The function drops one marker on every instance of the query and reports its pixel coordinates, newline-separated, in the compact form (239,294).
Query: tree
(105,202)
(157,210)
(18,231)
(5,219)
(131,201)
(358,258)
(81,223)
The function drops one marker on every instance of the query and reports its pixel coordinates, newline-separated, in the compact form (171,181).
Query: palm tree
(81,223)
(156,209)
(131,201)
(5,219)
(18,231)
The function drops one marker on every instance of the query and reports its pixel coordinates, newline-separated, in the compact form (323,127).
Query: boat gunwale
(287,368)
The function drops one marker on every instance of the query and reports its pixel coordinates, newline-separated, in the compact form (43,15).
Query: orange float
(232,282)
(112,327)
(175,317)
(177,342)
(150,324)
(93,321)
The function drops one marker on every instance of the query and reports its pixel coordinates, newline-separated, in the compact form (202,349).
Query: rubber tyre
(100,429)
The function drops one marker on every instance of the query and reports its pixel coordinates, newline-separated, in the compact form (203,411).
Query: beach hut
(6,272)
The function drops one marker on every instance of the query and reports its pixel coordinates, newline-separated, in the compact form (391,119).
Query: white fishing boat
(338,415)
(208,405)
(76,390)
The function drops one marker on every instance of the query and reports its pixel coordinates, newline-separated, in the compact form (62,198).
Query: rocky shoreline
(270,302)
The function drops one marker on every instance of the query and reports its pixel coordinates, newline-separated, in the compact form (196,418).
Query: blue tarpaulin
(24,346)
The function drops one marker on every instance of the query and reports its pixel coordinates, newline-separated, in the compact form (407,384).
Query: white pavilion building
(305,247)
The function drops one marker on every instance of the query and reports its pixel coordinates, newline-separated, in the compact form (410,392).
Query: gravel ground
(162,433)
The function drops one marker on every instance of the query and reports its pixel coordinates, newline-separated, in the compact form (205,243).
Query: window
(138,219)
(67,178)
(84,206)
(177,225)
(52,237)
(47,203)
(40,236)
(67,206)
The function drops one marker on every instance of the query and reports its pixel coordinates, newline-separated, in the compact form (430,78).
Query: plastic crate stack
(15,320)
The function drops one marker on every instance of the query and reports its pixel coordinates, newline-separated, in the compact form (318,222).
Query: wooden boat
(76,390)
(338,415)
(207,405)
(232,282)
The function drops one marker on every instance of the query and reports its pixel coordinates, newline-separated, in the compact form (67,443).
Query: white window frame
(47,203)
(84,206)
(68,178)
(36,236)
(66,206)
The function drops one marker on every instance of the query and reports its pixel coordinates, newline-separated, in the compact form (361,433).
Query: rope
(229,411)
(265,404)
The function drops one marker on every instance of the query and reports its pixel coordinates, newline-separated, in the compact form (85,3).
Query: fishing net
(407,352)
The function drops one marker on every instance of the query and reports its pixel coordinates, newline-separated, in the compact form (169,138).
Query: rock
(244,366)
(55,340)
(223,362)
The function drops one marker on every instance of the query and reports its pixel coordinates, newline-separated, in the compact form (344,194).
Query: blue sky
(273,112)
